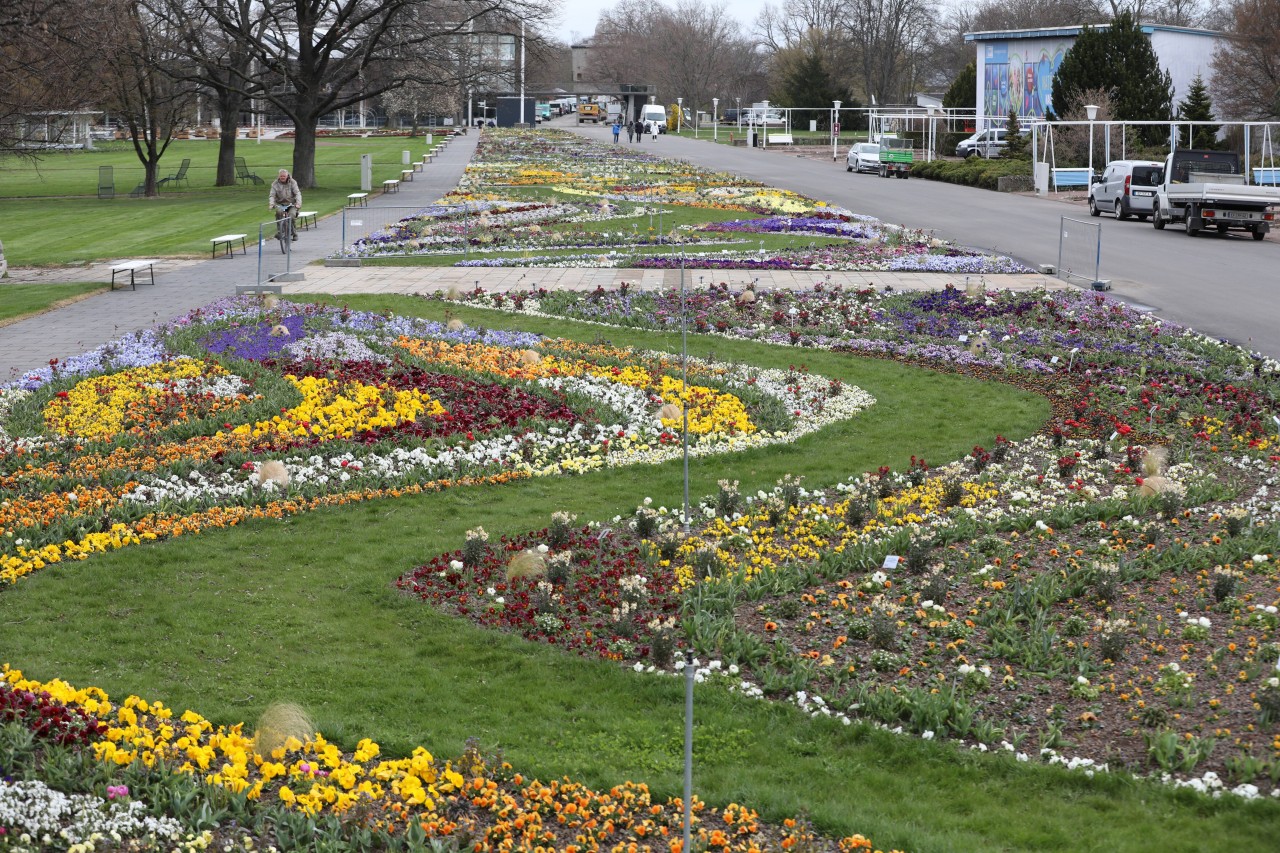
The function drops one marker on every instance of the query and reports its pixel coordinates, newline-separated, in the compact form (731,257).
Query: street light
(835,131)
(764,124)
(679,115)
(1092,112)
(715,119)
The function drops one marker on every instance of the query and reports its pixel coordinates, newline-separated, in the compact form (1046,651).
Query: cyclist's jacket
(286,193)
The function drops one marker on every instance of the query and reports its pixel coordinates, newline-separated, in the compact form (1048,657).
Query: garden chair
(180,177)
(243,174)
(106,182)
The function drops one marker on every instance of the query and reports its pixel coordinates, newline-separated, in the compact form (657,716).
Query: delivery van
(655,112)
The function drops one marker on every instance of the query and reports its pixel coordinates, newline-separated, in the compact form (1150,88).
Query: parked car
(863,157)
(1126,188)
(985,143)
(730,116)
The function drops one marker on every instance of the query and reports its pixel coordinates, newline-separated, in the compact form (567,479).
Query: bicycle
(284,226)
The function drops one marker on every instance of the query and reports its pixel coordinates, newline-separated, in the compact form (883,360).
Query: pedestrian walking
(617,129)
(639,130)
(653,129)
(631,131)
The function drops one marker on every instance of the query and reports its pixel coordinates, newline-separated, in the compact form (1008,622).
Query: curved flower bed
(1103,595)
(433,406)
(417,798)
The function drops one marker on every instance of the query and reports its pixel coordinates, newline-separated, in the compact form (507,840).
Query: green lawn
(53,214)
(23,300)
(303,610)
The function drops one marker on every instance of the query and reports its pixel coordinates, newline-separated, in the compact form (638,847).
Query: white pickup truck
(1207,189)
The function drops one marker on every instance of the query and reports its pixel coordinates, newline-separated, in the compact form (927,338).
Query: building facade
(1016,67)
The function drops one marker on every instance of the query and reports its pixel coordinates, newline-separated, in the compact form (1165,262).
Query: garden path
(183,285)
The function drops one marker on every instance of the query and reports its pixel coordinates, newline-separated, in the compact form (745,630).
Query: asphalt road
(1225,287)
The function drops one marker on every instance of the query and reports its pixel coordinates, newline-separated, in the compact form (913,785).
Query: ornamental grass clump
(1154,461)
(283,725)
(527,564)
(273,472)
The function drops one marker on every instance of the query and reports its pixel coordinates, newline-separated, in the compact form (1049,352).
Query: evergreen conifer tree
(1120,60)
(963,91)
(1196,107)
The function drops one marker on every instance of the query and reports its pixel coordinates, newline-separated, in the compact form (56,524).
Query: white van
(1126,188)
(654,112)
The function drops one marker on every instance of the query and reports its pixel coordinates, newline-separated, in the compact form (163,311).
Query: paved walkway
(183,285)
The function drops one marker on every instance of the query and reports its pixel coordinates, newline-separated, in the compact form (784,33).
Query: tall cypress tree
(963,91)
(1120,60)
(1196,107)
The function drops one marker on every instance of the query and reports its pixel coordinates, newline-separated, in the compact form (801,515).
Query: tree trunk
(304,152)
(229,117)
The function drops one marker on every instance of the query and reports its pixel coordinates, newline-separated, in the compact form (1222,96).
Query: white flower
(1080,679)
(542,549)
(927,735)
(456,565)
(490,591)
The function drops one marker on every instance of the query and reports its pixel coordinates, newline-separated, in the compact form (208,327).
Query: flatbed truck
(1207,190)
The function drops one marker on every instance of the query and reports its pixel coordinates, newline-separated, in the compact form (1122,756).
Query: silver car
(1126,188)
(863,157)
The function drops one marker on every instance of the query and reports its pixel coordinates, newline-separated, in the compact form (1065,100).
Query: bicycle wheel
(283,235)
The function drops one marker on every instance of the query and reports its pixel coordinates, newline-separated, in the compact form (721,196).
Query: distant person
(617,130)
(639,130)
(653,129)
(285,192)
(631,131)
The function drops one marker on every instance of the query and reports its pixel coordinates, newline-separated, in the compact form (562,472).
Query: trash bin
(753,139)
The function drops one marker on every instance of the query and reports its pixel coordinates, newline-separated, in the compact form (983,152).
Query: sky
(578,17)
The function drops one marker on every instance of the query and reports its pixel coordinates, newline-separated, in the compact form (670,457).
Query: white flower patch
(34,809)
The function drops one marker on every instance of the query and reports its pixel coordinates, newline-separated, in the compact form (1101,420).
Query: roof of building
(1075,30)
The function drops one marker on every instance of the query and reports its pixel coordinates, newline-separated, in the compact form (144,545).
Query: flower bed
(556,199)
(1104,591)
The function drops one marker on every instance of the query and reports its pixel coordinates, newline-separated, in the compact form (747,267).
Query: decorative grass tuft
(526,564)
(670,412)
(456,325)
(530,357)
(279,331)
(273,471)
(1154,460)
(279,723)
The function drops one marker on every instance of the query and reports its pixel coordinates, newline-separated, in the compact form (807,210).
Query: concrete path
(183,285)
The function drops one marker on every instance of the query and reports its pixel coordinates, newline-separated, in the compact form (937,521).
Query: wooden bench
(132,268)
(406,174)
(391,185)
(228,240)
(361,199)
(307,219)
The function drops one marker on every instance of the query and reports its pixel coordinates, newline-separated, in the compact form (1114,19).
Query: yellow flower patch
(331,410)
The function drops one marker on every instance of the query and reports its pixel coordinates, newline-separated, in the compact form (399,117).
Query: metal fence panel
(1079,250)
(272,262)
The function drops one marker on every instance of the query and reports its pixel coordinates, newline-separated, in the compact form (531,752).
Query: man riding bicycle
(285,200)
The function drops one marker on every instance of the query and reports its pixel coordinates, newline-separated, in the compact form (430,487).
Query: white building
(1016,67)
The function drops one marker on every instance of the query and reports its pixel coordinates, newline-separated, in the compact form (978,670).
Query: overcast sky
(578,17)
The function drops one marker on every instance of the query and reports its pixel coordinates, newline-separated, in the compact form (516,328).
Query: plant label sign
(891,561)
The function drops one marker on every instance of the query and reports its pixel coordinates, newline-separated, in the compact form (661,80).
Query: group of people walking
(635,129)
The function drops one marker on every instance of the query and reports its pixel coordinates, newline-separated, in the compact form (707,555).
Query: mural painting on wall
(1020,80)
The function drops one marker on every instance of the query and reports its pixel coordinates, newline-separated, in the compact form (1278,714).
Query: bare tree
(889,36)
(41,67)
(1246,68)
(146,86)
(693,50)
(312,57)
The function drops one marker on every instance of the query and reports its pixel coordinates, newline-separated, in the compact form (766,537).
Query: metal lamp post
(715,119)
(679,115)
(1092,112)
(764,125)
(835,131)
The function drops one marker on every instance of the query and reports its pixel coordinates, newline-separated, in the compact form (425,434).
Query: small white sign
(964,338)
(1114,436)
(1053,360)
(891,562)
(356,223)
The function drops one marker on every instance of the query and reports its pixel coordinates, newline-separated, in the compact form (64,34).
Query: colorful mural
(1020,79)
